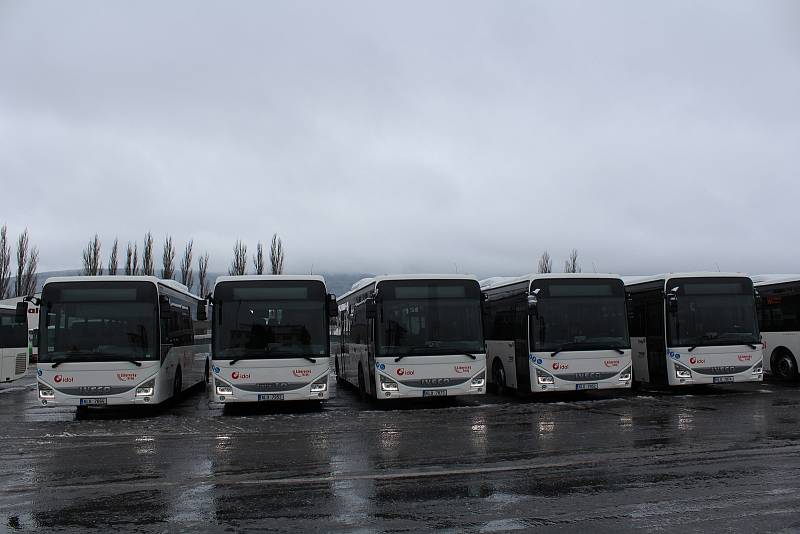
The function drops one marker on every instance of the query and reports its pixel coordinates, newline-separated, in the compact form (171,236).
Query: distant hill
(338,283)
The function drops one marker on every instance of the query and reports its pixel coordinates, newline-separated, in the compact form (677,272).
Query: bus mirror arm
(333,309)
(21,315)
(371,309)
(35,337)
(202,311)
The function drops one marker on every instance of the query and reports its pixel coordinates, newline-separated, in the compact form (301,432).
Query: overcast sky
(411,136)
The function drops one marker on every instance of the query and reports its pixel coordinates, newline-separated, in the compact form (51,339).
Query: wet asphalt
(723,459)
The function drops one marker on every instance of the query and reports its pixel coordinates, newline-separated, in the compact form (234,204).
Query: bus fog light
(320,385)
(682,372)
(544,378)
(625,375)
(387,384)
(758,368)
(479,380)
(146,389)
(46,393)
(222,388)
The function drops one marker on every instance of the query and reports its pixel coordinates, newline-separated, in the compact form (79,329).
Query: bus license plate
(434,392)
(271,397)
(579,387)
(723,379)
(88,402)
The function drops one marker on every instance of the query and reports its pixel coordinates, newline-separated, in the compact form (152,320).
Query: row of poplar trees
(93,263)
(27,262)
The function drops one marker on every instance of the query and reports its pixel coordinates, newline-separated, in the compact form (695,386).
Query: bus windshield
(12,333)
(429,317)
(265,320)
(98,321)
(579,314)
(712,311)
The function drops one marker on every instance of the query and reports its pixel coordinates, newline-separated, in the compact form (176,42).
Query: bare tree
(30,278)
(258,259)
(27,263)
(136,270)
(168,260)
(276,255)
(187,275)
(91,258)
(545,263)
(129,260)
(202,268)
(148,266)
(571,265)
(239,265)
(112,261)
(5,262)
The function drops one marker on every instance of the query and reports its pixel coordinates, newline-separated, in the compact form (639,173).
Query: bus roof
(634,280)
(497,282)
(7,307)
(172,284)
(772,279)
(365,282)
(270,277)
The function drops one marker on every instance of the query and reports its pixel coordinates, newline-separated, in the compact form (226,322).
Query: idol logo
(560,366)
(694,360)
(405,372)
(236,375)
(65,379)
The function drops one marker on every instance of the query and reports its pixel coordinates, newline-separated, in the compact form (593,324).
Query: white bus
(412,336)
(556,332)
(13,344)
(271,339)
(694,328)
(116,340)
(779,321)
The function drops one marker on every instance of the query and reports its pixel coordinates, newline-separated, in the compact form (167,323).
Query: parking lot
(724,459)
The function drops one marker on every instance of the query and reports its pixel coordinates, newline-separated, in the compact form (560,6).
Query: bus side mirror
(533,305)
(629,306)
(333,309)
(672,302)
(35,337)
(21,315)
(758,301)
(202,311)
(372,309)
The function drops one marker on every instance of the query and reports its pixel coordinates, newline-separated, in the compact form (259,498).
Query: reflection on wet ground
(698,459)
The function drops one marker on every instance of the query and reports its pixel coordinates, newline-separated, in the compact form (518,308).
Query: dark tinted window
(12,334)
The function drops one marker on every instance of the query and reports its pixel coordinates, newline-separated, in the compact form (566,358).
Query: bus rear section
(271,339)
(118,340)
(548,333)
(13,344)
(694,328)
(413,336)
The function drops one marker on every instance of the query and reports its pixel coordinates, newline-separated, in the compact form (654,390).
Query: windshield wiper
(134,362)
(566,346)
(309,358)
(470,355)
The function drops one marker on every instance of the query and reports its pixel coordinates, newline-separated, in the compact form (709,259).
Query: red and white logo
(462,369)
(611,363)
(560,366)
(126,377)
(66,379)
(694,360)
(302,372)
(405,372)
(745,357)
(57,379)
(236,375)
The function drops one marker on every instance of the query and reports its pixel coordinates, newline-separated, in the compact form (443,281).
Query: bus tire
(362,386)
(784,365)
(499,377)
(177,384)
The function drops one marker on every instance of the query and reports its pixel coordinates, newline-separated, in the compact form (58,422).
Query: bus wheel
(177,385)
(784,366)
(362,387)
(499,377)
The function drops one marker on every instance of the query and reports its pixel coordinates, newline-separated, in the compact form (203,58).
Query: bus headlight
(625,375)
(320,384)
(45,392)
(146,389)
(544,378)
(479,380)
(387,384)
(222,388)
(758,368)
(682,372)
